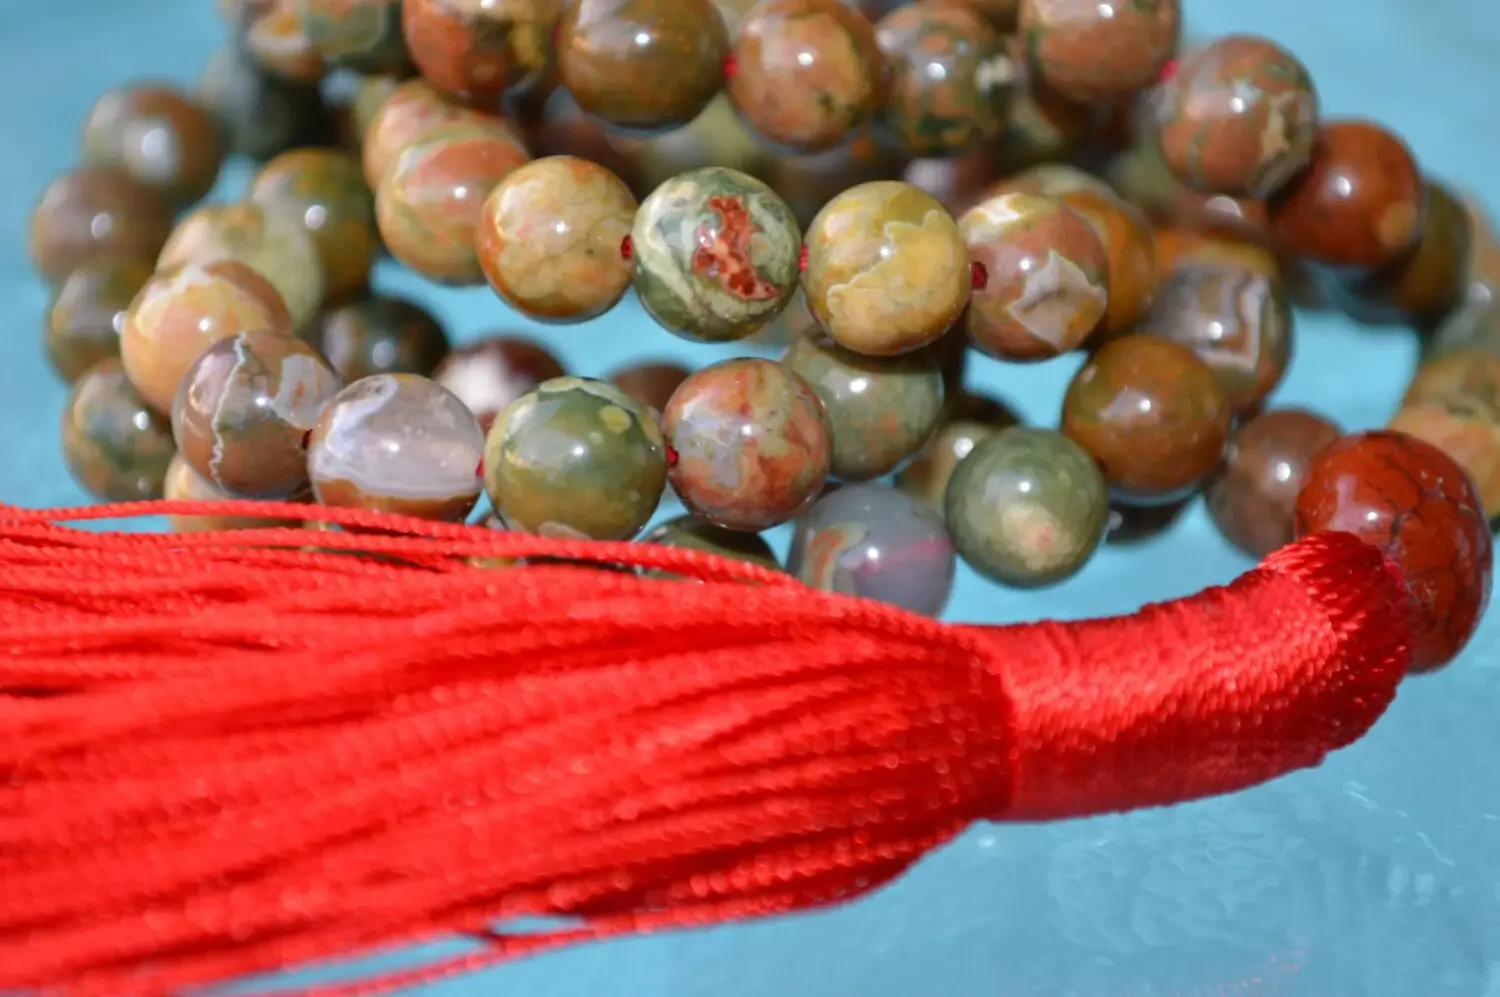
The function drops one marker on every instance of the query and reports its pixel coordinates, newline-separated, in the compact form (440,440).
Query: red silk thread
(225,755)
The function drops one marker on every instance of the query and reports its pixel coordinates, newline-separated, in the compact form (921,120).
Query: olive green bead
(692,533)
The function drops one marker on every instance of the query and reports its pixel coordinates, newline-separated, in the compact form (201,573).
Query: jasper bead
(1238,117)
(275,33)
(1453,403)
(651,384)
(244,408)
(362,35)
(1152,414)
(480,49)
(874,542)
(881,409)
(183,484)
(1046,277)
(692,533)
(753,443)
(379,334)
(411,110)
(258,115)
(88,313)
(887,269)
(550,239)
(1092,51)
(575,458)
(95,213)
(112,443)
(490,374)
(183,311)
(1431,279)
(1127,239)
(971,418)
(1027,507)
(325,191)
(807,72)
(1419,507)
(162,138)
(642,65)
(1359,204)
(397,443)
(716,255)
(1252,498)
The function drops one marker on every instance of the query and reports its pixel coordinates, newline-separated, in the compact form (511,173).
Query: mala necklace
(325,716)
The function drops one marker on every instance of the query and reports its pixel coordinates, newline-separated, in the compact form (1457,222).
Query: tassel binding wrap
(227,753)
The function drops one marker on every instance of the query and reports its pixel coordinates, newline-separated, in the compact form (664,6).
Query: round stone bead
(1252,497)
(183,311)
(480,49)
(808,73)
(430,205)
(1238,117)
(95,213)
(362,35)
(971,418)
(1413,502)
(379,334)
(716,255)
(1152,414)
(651,384)
(325,190)
(692,533)
(642,65)
(1238,321)
(245,407)
(1128,243)
(162,138)
(258,115)
(1099,52)
(411,110)
(887,269)
(950,79)
(874,542)
(881,409)
(1427,283)
(1357,206)
(1027,507)
(490,374)
(1453,403)
(88,313)
(753,443)
(578,459)
(551,239)
(276,35)
(183,484)
(112,443)
(397,443)
(1046,277)
(273,243)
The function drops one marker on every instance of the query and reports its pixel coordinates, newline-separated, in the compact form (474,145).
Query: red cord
(223,755)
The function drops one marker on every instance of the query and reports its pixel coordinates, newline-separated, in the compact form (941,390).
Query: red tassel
(223,755)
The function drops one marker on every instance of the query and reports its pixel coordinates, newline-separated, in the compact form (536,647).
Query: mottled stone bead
(258,115)
(1453,403)
(1413,502)
(1424,285)
(1027,507)
(874,542)
(717,137)
(411,110)
(551,239)
(881,410)
(950,79)
(363,35)
(651,384)
(1152,414)
(753,443)
(430,204)
(183,311)
(480,49)
(379,334)
(887,269)
(692,533)
(491,373)
(1046,277)
(1238,117)
(183,484)
(578,459)
(325,191)
(642,65)
(94,213)
(1185,247)
(958,182)
(244,408)
(1127,239)
(808,181)
(1238,321)
(273,243)
(1050,180)
(1042,126)
(807,72)
(1252,497)
(971,418)
(162,138)
(275,33)
(716,255)
(397,443)
(112,443)
(1092,51)
(88,313)
(1357,206)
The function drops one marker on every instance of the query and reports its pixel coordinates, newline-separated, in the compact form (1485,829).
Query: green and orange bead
(971,418)
(887,269)
(1100,52)
(363,35)
(244,409)
(379,334)
(575,458)
(113,443)
(275,33)
(480,49)
(1046,277)
(83,324)
(405,114)
(164,139)
(752,443)
(489,374)
(1130,246)
(183,484)
(95,213)
(258,115)
(325,190)
(716,255)
(881,410)
(692,533)
(1432,279)
(1238,117)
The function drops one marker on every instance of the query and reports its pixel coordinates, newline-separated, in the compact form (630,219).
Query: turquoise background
(1378,874)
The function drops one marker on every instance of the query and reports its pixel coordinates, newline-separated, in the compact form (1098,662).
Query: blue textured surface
(1378,874)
